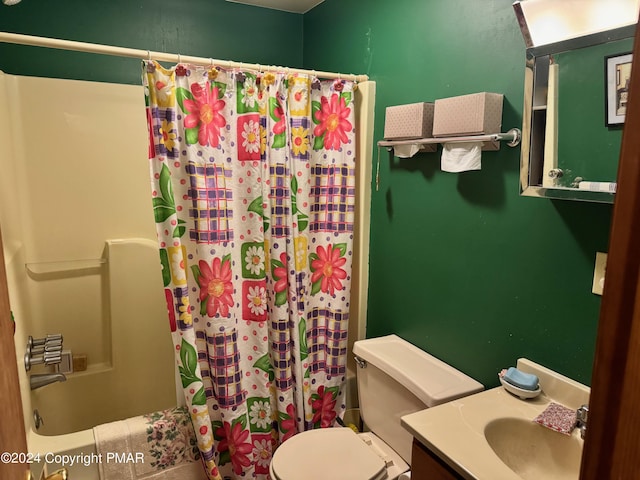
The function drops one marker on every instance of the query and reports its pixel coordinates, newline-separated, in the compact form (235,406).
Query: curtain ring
(211,62)
(149,55)
(179,59)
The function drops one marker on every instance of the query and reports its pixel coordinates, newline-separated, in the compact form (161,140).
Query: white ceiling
(294,6)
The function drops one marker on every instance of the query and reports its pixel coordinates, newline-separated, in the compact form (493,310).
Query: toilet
(395,378)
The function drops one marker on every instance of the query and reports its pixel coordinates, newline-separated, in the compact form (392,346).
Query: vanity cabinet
(425,465)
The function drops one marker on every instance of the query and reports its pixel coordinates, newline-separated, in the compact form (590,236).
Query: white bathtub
(140,378)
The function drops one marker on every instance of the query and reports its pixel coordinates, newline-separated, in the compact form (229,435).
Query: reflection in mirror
(570,148)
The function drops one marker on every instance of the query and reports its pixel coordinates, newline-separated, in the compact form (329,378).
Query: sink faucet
(581,419)
(40,380)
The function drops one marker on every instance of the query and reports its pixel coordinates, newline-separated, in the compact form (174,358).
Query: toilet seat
(335,453)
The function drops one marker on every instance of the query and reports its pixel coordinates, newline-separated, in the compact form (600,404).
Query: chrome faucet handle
(582,414)
(47,350)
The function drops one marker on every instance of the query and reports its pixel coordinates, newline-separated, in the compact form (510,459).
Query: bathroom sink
(491,435)
(533,451)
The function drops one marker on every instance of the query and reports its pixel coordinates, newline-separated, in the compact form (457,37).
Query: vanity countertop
(454,431)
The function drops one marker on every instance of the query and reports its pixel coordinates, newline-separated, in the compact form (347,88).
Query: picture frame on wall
(617,77)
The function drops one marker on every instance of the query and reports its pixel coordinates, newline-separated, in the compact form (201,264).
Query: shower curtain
(253,180)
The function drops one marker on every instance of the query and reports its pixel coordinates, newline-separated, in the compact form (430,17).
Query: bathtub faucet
(42,379)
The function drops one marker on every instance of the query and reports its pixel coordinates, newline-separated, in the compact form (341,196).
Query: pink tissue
(558,418)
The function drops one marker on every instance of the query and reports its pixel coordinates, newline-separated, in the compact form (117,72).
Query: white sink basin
(491,435)
(533,451)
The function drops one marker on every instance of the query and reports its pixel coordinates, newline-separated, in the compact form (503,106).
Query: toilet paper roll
(461,157)
(406,151)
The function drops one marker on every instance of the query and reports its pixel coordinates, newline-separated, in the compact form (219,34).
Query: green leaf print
(199,398)
(196,273)
(180,229)
(161,210)
(164,205)
(181,95)
(217,429)
(256,207)
(307,374)
(191,135)
(316,286)
(264,364)
(302,335)
(226,258)
(203,305)
(315,107)
(302,222)
(342,247)
(294,191)
(225,457)
(166,269)
(273,104)
(189,359)
(281,298)
(302,218)
(347,98)
(318,142)
(242,420)
(279,141)
(222,88)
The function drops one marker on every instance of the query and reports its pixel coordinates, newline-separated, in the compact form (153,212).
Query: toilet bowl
(394,378)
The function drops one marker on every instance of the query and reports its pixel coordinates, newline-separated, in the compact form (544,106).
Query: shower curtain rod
(31,40)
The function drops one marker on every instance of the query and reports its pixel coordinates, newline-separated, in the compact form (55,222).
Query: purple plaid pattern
(301,290)
(225,372)
(280,201)
(168,115)
(332,198)
(201,345)
(327,341)
(280,338)
(180,294)
(211,203)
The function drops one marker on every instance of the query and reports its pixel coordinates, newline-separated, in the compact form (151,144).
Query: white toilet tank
(399,379)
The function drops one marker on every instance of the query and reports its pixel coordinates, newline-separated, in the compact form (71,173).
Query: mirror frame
(532,139)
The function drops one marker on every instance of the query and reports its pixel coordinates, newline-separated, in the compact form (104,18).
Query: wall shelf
(41,268)
(512,137)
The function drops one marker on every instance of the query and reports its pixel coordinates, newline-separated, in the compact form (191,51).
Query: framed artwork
(617,76)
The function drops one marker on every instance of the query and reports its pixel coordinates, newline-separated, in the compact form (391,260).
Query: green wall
(460,264)
(207,28)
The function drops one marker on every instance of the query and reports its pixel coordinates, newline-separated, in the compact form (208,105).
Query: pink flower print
(327,267)
(280,275)
(279,127)
(215,286)
(332,116)
(168,296)
(289,425)
(323,408)
(152,149)
(235,442)
(204,113)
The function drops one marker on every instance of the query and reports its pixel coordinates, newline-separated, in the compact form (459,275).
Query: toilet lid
(335,453)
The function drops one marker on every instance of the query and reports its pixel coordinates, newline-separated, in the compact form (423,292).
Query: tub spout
(40,380)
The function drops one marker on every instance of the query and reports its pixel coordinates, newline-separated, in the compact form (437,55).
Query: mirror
(568,140)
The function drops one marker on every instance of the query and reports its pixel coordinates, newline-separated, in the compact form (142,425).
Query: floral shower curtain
(253,180)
